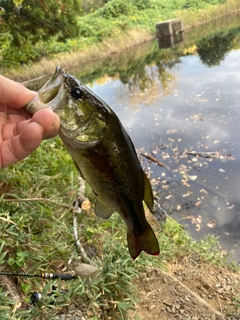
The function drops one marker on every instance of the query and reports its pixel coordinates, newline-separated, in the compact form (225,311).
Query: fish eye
(76,93)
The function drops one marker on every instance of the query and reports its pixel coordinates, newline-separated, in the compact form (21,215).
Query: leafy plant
(116,8)
(28,22)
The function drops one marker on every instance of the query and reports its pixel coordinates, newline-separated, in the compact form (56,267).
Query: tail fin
(146,241)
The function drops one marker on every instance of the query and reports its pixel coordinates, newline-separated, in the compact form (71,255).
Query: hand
(20,132)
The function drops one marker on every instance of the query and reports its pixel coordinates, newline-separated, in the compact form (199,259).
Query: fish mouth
(51,88)
(50,95)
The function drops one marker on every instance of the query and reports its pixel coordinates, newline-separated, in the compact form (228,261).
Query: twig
(159,206)
(34,79)
(219,303)
(148,156)
(70,259)
(38,199)
(77,209)
(203,154)
(75,234)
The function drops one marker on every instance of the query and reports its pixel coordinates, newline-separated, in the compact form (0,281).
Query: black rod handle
(62,276)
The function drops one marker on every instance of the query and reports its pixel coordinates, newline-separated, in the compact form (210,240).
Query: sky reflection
(199,110)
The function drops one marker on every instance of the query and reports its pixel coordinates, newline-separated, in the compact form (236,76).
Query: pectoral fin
(148,194)
(102,210)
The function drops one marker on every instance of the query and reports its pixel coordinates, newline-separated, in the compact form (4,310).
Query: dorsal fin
(148,194)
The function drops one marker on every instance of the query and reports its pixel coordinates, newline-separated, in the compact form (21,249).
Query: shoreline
(109,47)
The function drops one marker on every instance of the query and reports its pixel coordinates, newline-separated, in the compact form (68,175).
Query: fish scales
(104,155)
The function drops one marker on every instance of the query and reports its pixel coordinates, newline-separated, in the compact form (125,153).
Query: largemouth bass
(104,155)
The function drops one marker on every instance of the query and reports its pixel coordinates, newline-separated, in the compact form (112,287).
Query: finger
(20,146)
(14,94)
(15,111)
(14,128)
(49,120)
(46,118)
(3,118)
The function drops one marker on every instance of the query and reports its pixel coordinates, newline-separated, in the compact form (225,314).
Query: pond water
(181,105)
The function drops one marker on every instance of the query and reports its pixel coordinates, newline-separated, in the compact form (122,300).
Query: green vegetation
(35,29)
(37,236)
(25,23)
(37,233)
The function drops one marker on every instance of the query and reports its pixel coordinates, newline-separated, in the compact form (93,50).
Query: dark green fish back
(116,177)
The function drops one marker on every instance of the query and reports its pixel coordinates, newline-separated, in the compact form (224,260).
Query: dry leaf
(192,177)
(86,270)
(186,184)
(187,194)
(171,131)
(193,220)
(198,227)
(211,224)
(165,186)
(199,219)
(86,205)
(198,203)
(165,156)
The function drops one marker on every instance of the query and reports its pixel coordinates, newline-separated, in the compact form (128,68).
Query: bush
(201,4)
(85,29)
(116,8)
(23,54)
(142,4)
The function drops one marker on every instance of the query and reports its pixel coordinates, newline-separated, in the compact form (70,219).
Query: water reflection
(171,102)
(212,49)
(170,41)
(172,98)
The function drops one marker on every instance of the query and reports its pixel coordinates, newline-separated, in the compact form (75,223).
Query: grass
(37,236)
(101,36)
(193,18)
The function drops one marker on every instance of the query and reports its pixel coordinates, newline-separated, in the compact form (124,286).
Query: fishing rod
(49,276)
(37,296)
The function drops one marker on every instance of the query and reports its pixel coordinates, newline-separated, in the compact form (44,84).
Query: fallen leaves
(187,194)
(198,203)
(178,207)
(197,221)
(178,171)
(211,224)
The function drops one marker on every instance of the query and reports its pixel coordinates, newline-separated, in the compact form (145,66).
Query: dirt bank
(190,290)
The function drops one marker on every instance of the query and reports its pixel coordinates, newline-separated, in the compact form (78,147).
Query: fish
(103,154)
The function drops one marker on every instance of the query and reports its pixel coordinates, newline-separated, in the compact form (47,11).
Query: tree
(28,21)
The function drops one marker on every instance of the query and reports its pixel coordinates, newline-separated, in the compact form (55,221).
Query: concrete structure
(169,27)
(169,33)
